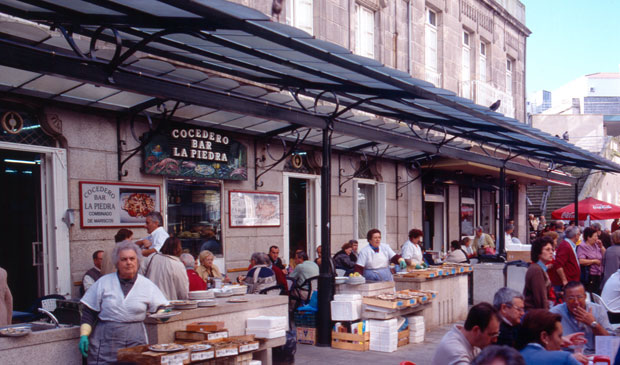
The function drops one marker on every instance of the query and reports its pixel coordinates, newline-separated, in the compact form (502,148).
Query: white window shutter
(382,209)
(304,14)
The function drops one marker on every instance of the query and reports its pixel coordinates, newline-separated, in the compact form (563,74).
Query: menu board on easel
(105,204)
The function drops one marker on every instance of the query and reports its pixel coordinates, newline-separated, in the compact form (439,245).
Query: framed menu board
(105,204)
(254,209)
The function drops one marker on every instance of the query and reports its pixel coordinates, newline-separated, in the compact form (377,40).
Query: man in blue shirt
(579,316)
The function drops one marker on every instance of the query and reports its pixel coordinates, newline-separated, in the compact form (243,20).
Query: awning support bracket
(285,154)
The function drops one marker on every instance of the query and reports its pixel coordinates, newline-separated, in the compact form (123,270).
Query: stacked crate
(416,329)
(383,335)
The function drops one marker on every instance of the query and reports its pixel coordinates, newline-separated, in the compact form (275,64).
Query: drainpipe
(501,235)
(326,283)
(577,202)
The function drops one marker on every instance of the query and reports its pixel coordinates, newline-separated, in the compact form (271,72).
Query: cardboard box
(142,355)
(205,326)
(351,341)
(306,335)
(518,255)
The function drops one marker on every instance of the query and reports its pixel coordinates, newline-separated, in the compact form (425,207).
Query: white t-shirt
(611,291)
(158,237)
(106,297)
(369,259)
(454,349)
(411,251)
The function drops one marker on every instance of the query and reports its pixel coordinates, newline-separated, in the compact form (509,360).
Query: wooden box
(390,304)
(142,355)
(205,326)
(403,338)
(351,341)
(306,335)
(193,336)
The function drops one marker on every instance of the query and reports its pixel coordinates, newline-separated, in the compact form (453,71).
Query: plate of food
(166,347)
(15,331)
(207,303)
(238,300)
(163,315)
(199,347)
(136,204)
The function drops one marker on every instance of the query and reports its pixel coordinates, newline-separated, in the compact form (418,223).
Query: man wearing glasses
(509,305)
(463,343)
(579,316)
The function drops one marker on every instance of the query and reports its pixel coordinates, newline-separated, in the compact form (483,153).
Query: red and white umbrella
(596,209)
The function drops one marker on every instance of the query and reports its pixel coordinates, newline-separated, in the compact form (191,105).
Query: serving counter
(53,347)
(449,306)
(234,315)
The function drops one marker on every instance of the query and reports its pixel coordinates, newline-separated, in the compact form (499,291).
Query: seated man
(509,305)
(304,268)
(94,273)
(463,343)
(260,276)
(579,316)
(611,295)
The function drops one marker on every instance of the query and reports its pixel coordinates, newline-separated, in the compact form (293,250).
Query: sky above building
(570,39)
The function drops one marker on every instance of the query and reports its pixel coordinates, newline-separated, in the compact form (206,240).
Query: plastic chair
(300,294)
(599,300)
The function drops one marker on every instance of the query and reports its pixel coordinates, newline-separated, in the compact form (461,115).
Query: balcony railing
(485,94)
(433,77)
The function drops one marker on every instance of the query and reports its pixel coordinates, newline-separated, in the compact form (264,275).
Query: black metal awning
(232,67)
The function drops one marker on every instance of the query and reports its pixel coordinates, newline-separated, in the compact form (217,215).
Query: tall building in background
(475,48)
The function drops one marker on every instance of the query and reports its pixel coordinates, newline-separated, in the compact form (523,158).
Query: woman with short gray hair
(116,306)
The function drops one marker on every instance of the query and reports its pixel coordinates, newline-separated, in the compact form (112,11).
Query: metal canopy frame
(193,54)
(242,42)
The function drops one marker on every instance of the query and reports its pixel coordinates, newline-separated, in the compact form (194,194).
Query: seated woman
(540,340)
(457,254)
(343,259)
(207,269)
(537,283)
(195,281)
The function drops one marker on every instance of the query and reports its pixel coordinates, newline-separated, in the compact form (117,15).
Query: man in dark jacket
(94,273)
(509,305)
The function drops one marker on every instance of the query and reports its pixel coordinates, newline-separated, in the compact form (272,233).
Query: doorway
(301,208)
(434,226)
(21,255)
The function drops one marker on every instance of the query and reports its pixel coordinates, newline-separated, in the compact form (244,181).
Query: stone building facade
(475,48)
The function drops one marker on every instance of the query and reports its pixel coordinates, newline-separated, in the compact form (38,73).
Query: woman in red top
(195,281)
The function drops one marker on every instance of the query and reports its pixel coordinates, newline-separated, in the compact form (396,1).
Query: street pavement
(420,354)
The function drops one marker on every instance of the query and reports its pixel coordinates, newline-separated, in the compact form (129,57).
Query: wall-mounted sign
(254,209)
(117,205)
(184,150)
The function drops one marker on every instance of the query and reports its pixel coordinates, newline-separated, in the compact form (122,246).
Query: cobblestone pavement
(420,354)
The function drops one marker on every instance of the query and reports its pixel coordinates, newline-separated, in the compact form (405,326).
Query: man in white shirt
(411,250)
(508,234)
(611,292)
(463,343)
(157,234)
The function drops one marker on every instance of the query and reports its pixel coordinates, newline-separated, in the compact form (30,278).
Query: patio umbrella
(594,208)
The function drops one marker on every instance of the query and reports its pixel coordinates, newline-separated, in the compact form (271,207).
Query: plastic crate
(305,319)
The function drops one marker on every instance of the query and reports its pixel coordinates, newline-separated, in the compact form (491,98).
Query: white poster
(105,204)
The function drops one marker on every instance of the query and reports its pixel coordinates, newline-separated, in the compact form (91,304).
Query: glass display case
(194,215)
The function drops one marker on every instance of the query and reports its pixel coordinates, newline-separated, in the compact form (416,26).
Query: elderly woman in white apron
(116,306)
(374,260)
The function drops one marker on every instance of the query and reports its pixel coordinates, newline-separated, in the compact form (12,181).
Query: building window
(483,62)
(365,35)
(431,48)
(368,207)
(509,76)
(300,14)
(465,67)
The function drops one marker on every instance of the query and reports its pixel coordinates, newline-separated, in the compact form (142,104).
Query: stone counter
(449,306)
(370,288)
(234,316)
(53,347)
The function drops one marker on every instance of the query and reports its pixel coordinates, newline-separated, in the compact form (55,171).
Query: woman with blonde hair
(207,269)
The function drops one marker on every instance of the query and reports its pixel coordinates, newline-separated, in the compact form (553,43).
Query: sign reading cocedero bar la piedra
(191,151)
